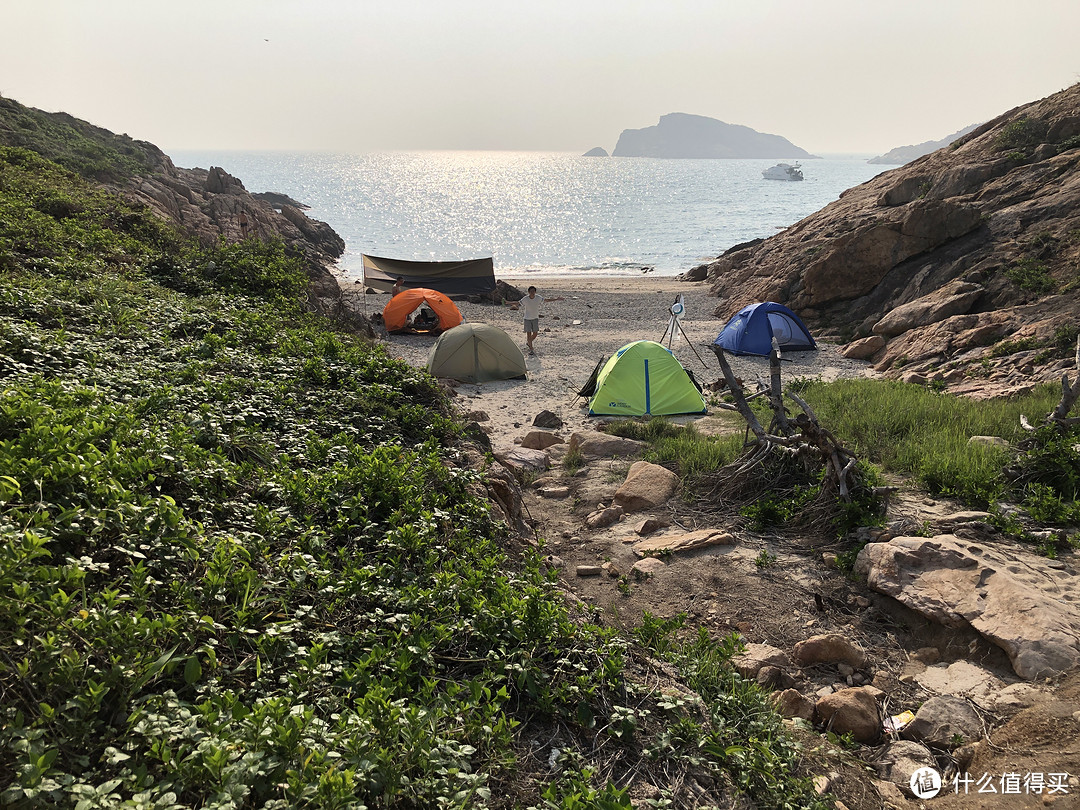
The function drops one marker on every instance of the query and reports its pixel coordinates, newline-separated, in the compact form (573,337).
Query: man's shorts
(532,325)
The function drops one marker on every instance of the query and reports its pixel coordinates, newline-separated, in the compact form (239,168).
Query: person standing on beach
(399,282)
(531,306)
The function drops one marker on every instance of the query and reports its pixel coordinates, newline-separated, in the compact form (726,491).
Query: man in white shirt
(531,306)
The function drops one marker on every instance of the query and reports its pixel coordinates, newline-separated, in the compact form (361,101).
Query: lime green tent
(644,378)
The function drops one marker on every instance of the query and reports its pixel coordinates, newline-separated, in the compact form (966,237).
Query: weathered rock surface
(604,517)
(682,543)
(547,420)
(945,722)
(828,649)
(649,566)
(750,661)
(900,759)
(853,711)
(945,256)
(594,444)
(864,348)
(522,460)
(647,486)
(540,440)
(792,703)
(206,204)
(1025,604)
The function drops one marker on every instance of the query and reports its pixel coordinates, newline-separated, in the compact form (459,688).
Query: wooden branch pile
(801,438)
(1070,392)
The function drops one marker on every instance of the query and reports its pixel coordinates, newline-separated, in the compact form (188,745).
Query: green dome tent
(476,353)
(644,378)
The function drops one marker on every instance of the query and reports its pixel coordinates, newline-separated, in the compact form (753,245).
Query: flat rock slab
(1027,605)
(692,541)
(521,460)
(540,440)
(962,678)
(649,566)
(554,492)
(593,444)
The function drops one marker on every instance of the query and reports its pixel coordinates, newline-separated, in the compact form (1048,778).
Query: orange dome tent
(396,312)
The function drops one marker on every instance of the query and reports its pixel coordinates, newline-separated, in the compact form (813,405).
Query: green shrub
(1031,275)
(1023,133)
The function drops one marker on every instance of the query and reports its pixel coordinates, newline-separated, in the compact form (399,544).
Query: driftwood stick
(737,395)
(776,395)
(802,404)
(841,480)
(1070,392)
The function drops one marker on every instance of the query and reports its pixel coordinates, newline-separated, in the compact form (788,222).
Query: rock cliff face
(962,266)
(210,203)
(204,204)
(679,135)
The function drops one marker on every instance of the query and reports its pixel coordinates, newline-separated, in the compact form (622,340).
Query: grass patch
(911,431)
(694,455)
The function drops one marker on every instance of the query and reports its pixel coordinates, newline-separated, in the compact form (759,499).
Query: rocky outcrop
(958,260)
(205,204)
(679,135)
(1024,604)
(210,204)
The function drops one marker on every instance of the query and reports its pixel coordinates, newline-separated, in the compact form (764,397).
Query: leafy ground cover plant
(242,562)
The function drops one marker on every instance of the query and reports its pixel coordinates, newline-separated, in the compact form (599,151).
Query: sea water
(541,212)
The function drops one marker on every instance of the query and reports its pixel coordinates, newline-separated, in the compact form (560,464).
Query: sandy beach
(598,316)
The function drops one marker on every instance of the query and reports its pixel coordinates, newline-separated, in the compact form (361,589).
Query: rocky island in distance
(681,135)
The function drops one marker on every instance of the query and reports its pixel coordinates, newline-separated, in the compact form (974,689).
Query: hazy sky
(565,75)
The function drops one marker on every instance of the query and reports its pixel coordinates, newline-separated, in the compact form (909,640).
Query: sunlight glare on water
(542,212)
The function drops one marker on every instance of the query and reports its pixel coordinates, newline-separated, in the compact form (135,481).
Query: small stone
(649,525)
(589,570)
(845,670)
(648,566)
(557,492)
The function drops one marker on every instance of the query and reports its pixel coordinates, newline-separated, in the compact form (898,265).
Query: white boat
(783,171)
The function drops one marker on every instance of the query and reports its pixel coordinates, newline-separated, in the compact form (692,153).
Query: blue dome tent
(751,331)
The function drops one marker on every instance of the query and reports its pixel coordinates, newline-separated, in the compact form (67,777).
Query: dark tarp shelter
(472,277)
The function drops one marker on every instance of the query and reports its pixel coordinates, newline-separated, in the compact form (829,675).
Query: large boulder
(1025,604)
(646,486)
(955,298)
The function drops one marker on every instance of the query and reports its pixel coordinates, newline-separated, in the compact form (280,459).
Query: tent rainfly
(472,277)
(476,353)
(752,329)
(644,378)
(396,312)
